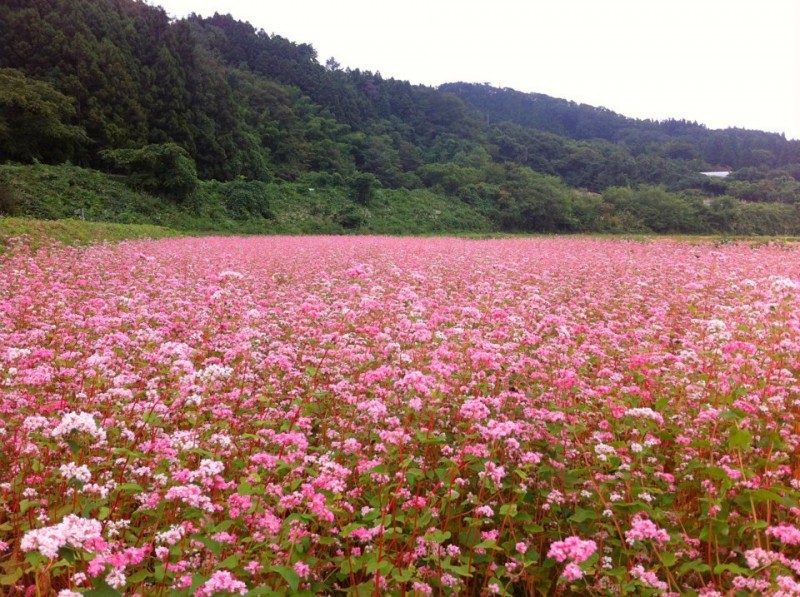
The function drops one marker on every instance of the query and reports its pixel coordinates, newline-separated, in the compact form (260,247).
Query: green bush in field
(164,169)
(9,204)
(767,219)
(363,188)
(351,217)
(246,200)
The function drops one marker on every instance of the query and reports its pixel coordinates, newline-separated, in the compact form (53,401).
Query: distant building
(718,174)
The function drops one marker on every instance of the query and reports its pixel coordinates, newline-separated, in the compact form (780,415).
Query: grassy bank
(76,232)
(317,204)
(327,204)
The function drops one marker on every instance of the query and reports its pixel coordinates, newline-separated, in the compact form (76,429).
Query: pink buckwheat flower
(572,572)
(643,529)
(785,533)
(73,530)
(648,578)
(572,548)
(79,421)
(221,580)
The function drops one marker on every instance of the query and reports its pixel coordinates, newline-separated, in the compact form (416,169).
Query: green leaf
(438,536)
(7,580)
(261,591)
(224,525)
(289,575)
(508,509)
(230,561)
(139,576)
(348,529)
(669,559)
(741,439)
(374,564)
(534,528)
(246,488)
(735,568)
(359,590)
(765,495)
(197,580)
(463,570)
(26,505)
(214,547)
(402,576)
(68,554)
(693,566)
(349,567)
(34,558)
(102,589)
(130,488)
(715,472)
(582,515)
(748,528)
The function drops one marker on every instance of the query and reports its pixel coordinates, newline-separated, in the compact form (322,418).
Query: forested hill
(678,139)
(116,85)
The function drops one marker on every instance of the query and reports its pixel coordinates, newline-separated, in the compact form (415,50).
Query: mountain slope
(116,85)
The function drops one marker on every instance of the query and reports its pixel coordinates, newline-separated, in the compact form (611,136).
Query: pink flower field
(379,416)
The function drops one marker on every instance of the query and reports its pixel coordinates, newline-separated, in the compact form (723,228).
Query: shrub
(246,200)
(363,188)
(164,169)
(9,204)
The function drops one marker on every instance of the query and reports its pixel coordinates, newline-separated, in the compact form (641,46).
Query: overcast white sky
(719,62)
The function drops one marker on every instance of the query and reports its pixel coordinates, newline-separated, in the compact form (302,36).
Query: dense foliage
(116,85)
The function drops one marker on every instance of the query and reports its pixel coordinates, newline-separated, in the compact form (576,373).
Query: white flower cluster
(184,440)
(34,423)
(603,451)
(715,327)
(79,421)
(171,536)
(207,469)
(214,372)
(73,471)
(73,530)
(782,284)
(645,413)
(12,354)
(231,274)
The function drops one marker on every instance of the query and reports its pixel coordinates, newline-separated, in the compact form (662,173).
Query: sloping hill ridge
(730,149)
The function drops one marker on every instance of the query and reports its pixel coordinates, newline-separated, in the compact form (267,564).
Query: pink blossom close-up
(574,549)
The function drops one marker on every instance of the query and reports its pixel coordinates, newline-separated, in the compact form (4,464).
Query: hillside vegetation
(210,123)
